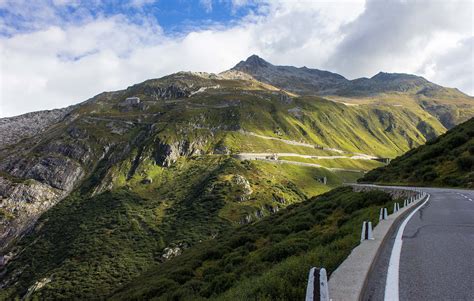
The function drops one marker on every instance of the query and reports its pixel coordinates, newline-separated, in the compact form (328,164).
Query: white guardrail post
(383,214)
(396,207)
(317,289)
(366,231)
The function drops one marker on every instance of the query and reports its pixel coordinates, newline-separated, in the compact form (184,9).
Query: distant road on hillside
(437,254)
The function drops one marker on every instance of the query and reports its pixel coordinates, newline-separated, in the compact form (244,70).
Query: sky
(54,53)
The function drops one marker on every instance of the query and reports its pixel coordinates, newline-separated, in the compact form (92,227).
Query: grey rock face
(243,185)
(171,91)
(166,154)
(298,80)
(259,213)
(173,250)
(23,204)
(14,129)
(57,171)
(221,150)
(306,81)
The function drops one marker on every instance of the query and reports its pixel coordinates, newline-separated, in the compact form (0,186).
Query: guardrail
(348,280)
(317,288)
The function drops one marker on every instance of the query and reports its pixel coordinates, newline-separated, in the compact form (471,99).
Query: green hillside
(90,249)
(119,186)
(445,161)
(268,260)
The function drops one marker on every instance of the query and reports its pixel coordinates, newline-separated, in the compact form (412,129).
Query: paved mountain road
(437,254)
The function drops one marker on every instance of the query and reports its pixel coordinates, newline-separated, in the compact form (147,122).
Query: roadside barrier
(396,207)
(317,289)
(366,231)
(383,214)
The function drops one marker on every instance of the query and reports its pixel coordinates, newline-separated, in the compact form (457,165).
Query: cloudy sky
(54,53)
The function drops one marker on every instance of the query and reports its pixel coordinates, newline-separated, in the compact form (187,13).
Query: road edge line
(391,292)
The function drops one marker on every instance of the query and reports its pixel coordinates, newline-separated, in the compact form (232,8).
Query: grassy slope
(90,246)
(268,260)
(445,161)
(380,130)
(364,165)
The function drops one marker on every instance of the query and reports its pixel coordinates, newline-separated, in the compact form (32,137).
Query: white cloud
(56,64)
(400,36)
(453,68)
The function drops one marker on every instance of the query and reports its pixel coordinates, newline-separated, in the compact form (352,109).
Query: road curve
(437,254)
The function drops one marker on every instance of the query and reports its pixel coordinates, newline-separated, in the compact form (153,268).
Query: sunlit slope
(149,178)
(445,161)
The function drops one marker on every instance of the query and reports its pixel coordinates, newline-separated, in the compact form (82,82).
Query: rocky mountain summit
(298,80)
(308,81)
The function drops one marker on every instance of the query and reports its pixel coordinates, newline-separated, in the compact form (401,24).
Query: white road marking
(392,283)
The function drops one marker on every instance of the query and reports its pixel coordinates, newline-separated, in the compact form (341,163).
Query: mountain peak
(252,62)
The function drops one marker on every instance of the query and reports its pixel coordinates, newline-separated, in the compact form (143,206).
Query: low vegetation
(89,246)
(268,260)
(445,161)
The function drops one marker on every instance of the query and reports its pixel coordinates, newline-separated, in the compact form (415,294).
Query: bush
(465,163)
(285,249)
(430,176)
(471,149)
(457,140)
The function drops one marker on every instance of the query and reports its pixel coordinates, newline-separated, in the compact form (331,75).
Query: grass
(91,245)
(445,161)
(268,260)
(363,165)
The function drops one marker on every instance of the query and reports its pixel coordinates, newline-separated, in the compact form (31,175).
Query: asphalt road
(437,254)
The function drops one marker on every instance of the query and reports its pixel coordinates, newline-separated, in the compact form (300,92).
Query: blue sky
(54,53)
(174,17)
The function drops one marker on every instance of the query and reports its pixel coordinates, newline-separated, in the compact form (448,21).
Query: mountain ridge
(181,159)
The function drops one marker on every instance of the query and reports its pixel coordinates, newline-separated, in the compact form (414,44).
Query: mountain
(447,160)
(95,194)
(449,106)
(303,81)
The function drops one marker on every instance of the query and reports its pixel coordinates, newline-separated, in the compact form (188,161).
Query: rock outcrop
(166,154)
(14,129)
(242,185)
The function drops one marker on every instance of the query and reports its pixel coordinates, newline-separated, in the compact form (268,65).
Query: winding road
(436,258)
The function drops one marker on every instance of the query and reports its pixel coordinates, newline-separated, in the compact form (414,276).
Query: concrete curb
(348,281)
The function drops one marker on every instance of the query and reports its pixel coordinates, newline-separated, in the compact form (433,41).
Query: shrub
(285,249)
(457,140)
(430,176)
(465,163)
(471,149)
